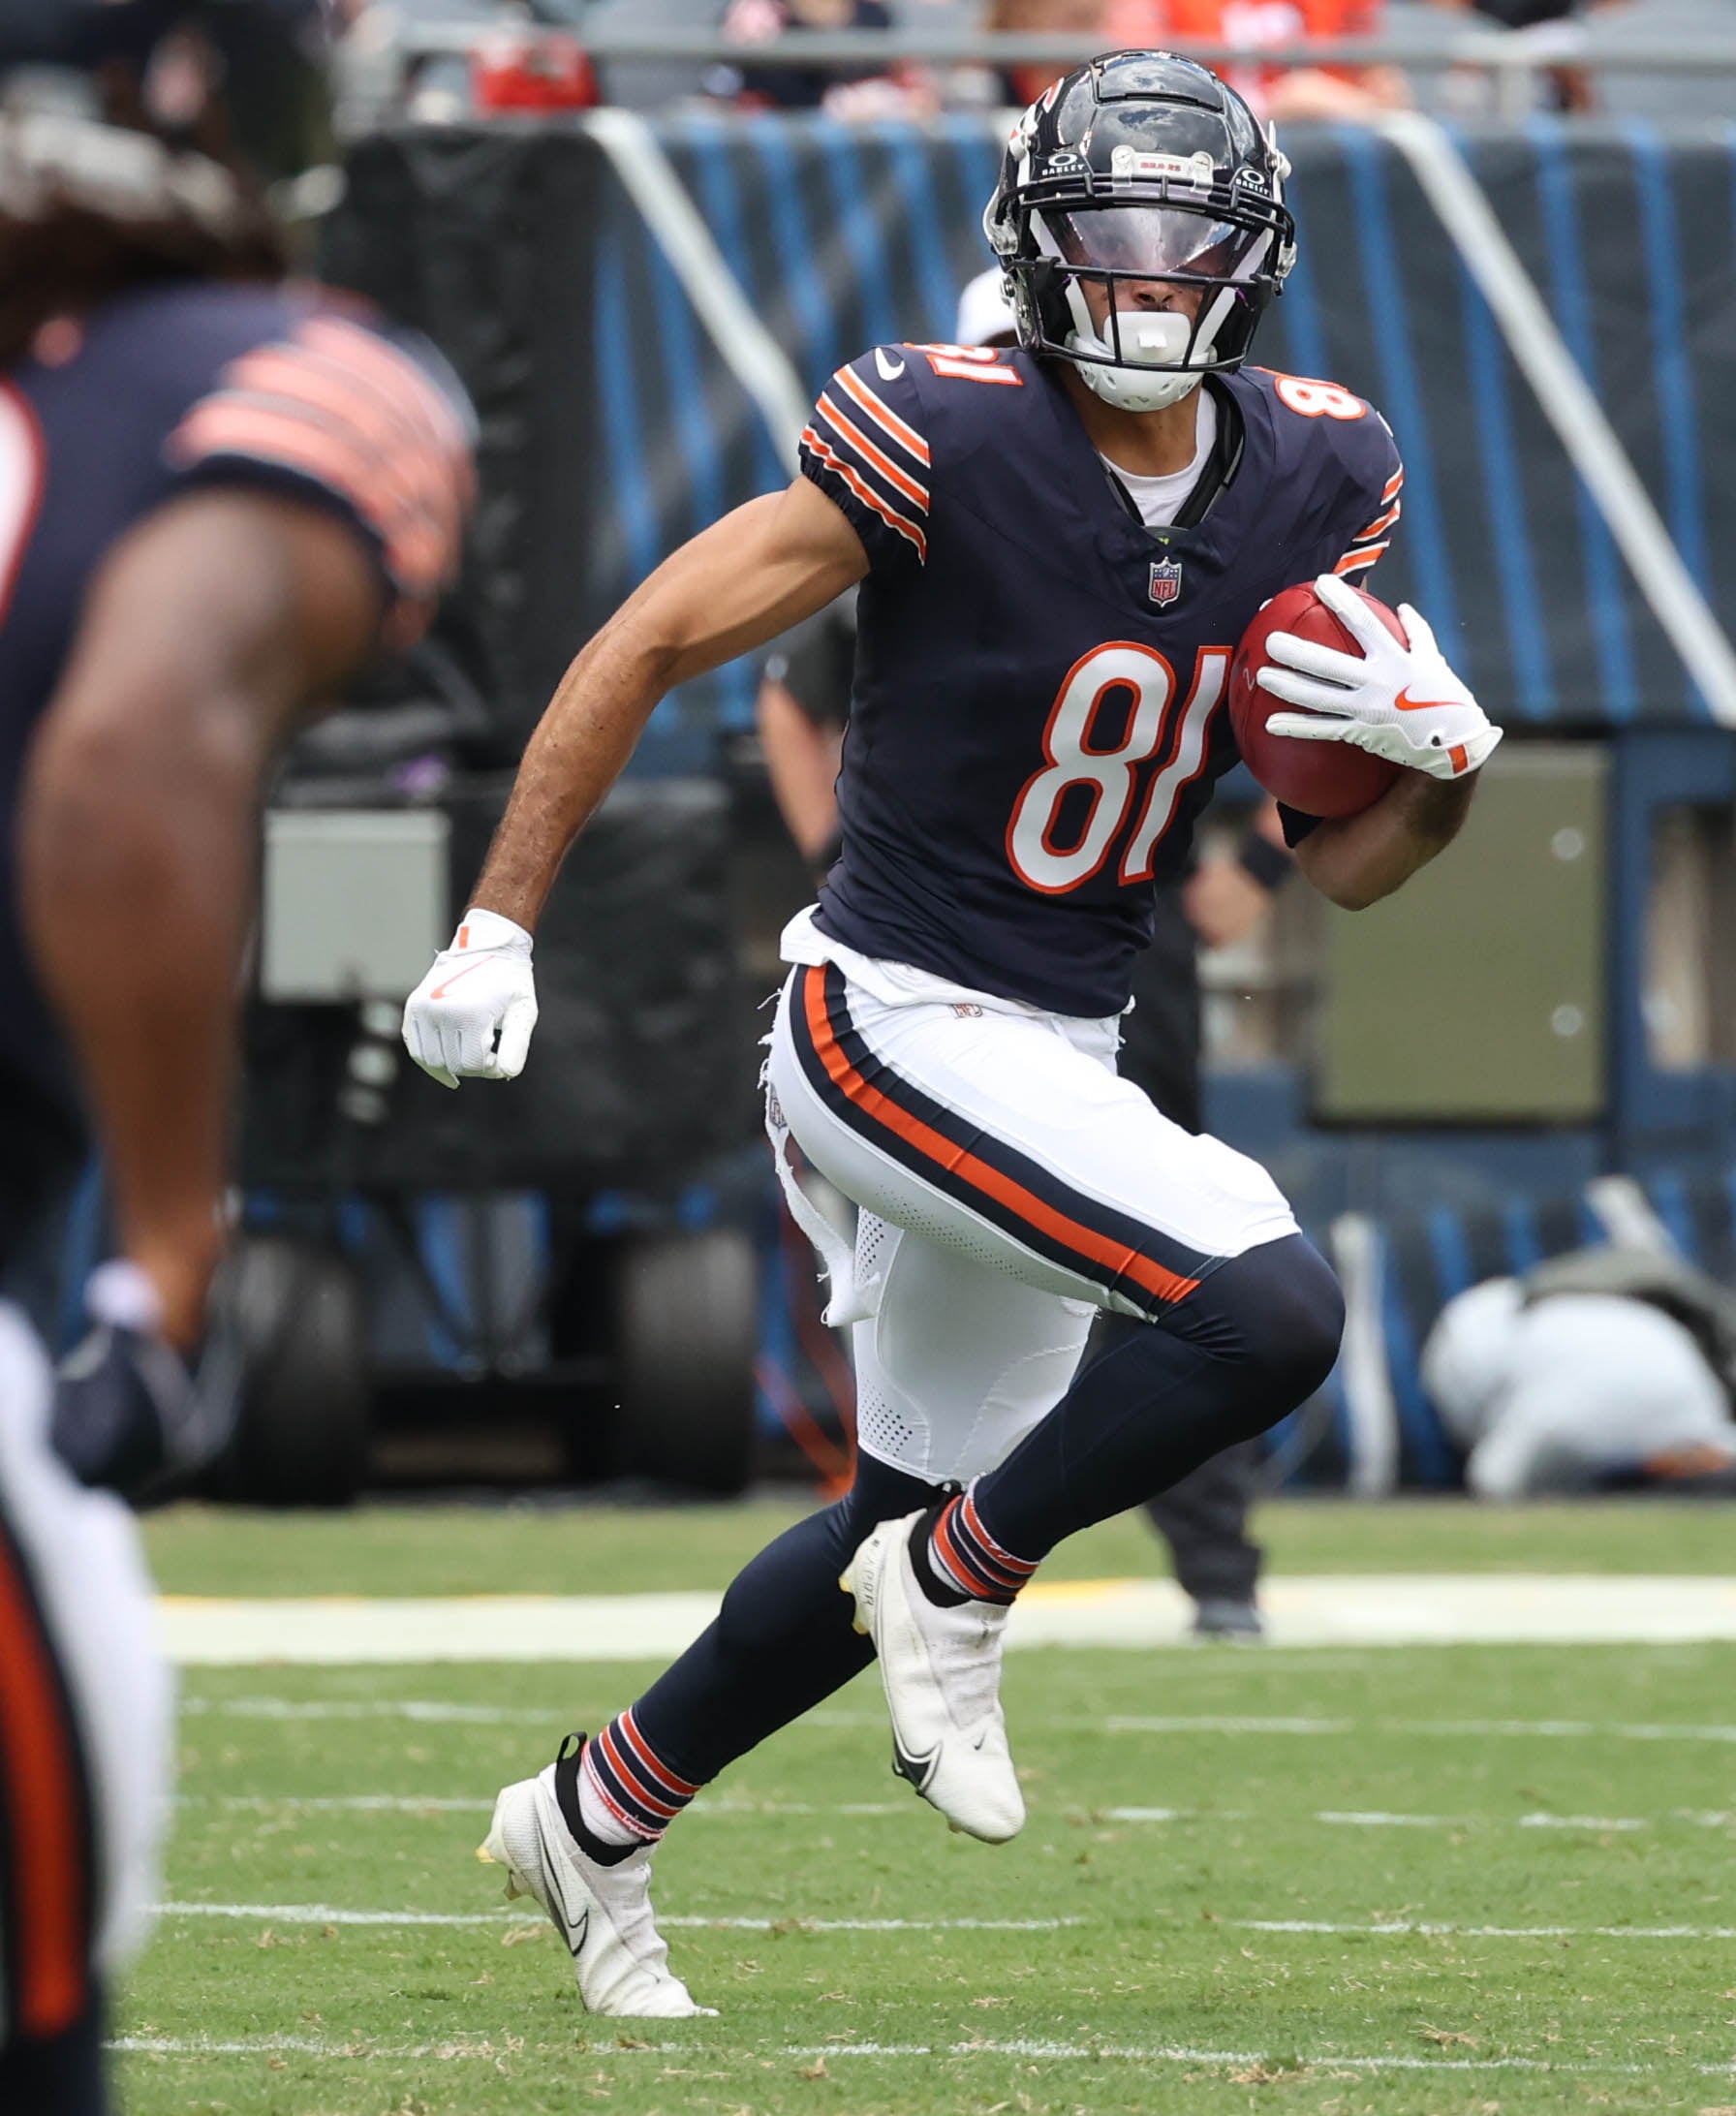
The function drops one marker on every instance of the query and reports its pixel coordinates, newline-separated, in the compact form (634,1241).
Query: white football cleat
(941,1669)
(603,1912)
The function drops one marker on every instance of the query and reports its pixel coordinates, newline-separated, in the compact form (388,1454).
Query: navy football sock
(1153,1401)
(784,1639)
(956,1560)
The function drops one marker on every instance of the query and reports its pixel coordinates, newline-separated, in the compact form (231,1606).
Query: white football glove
(471,1017)
(1400,703)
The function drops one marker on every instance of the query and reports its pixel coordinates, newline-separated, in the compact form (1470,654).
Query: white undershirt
(1161,499)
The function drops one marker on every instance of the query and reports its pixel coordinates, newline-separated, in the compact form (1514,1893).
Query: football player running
(218,494)
(1059,547)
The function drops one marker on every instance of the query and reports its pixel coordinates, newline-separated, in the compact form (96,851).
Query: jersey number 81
(1113,774)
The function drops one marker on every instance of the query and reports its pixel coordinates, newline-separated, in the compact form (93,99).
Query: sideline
(1364,1610)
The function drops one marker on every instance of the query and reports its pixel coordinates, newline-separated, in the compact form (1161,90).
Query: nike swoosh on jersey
(890,370)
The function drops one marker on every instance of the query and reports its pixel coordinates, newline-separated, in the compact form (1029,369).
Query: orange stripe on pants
(1143,1271)
(44,1832)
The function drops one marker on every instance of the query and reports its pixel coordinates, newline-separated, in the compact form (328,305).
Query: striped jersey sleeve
(1383,504)
(360,422)
(865,448)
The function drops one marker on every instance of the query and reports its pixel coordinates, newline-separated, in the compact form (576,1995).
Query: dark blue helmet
(1140,218)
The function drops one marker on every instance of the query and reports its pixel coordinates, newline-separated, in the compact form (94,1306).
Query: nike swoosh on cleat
(573,1934)
(918,1770)
(1406,704)
(890,370)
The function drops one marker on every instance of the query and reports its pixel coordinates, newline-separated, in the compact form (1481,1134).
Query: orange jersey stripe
(883,414)
(416,552)
(916,494)
(1393,484)
(44,1835)
(828,455)
(395,374)
(1125,1263)
(1382,521)
(1365,554)
(305,378)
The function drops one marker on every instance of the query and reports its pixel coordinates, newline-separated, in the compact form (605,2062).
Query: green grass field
(1564,1819)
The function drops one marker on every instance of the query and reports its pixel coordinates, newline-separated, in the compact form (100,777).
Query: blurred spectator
(804,88)
(1085,19)
(1606,1369)
(1251,25)
(1632,23)
(1549,28)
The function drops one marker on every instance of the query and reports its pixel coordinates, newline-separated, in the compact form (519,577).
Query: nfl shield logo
(1165,580)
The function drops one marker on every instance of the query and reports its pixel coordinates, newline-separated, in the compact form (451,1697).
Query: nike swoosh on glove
(1399,701)
(471,1017)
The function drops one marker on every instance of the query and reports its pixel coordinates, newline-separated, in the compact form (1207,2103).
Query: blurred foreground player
(217,495)
(1059,548)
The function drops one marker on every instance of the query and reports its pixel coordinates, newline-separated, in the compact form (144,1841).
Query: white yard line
(364,2049)
(411,1804)
(322,1913)
(1400,1927)
(1473,1729)
(434,1711)
(733,1808)
(1371,1610)
(325,1913)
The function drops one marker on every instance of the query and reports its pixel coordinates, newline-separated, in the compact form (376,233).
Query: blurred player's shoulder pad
(890,425)
(312,393)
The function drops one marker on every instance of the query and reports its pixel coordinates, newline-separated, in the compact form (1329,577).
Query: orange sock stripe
(1116,1257)
(659,1770)
(632,1782)
(41,1816)
(1021,1568)
(950,1555)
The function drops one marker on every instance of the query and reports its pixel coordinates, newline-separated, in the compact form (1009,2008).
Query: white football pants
(87,1708)
(1008,1184)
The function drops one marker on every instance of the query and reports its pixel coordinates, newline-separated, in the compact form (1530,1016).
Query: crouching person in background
(1598,1371)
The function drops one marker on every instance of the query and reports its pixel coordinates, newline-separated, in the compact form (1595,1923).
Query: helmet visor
(1154,242)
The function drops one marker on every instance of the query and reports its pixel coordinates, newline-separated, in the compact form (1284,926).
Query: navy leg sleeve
(1153,1401)
(784,1639)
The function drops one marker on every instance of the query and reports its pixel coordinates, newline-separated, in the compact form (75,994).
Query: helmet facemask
(1177,289)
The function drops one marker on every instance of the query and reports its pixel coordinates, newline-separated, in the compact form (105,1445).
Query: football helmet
(1139,218)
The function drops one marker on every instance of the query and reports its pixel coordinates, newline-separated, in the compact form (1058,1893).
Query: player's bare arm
(207,630)
(732,588)
(1355,860)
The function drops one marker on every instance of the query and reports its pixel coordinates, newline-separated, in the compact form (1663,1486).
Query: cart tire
(686,1332)
(301,1437)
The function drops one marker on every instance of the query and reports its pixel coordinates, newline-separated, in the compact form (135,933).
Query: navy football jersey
(1038,712)
(155,394)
